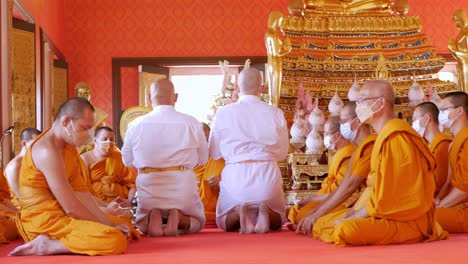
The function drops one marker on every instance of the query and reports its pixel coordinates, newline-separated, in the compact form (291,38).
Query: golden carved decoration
(459,48)
(129,115)
(59,88)
(23,83)
(305,172)
(335,42)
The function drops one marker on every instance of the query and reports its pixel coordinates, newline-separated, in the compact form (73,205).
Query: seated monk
(251,136)
(426,123)
(337,168)
(451,202)
(109,178)
(165,145)
(399,207)
(57,215)
(208,177)
(321,221)
(13,167)
(8,230)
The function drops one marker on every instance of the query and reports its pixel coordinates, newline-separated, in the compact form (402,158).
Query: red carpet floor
(214,246)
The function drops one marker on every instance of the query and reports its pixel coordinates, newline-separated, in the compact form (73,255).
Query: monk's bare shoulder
(46,150)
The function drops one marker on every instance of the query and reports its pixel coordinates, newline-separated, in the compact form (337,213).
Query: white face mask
(365,112)
(347,132)
(105,147)
(78,138)
(327,141)
(444,119)
(417,126)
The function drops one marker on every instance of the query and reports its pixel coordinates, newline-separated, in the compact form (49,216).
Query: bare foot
(263,220)
(291,226)
(40,246)
(172,226)
(246,226)
(155,223)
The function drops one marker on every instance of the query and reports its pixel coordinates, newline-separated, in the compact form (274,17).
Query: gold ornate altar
(335,41)
(327,45)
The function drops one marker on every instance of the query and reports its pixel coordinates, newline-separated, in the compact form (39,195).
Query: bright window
(197,88)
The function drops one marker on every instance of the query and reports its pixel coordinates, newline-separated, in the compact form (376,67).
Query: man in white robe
(164,145)
(251,136)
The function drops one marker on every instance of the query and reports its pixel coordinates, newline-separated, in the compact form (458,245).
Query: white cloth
(168,190)
(165,138)
(249,130)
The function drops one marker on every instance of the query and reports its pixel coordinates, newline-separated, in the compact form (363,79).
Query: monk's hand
(213,181)
(113,208)
(437,201)
(306,224)
(124,228)
(126,203)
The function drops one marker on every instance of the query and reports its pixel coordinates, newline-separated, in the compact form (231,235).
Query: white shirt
(164,138)
(249,130)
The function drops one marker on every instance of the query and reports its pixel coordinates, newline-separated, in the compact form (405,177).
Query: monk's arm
(345,190)
(12,176)
(50,162)
(445,189)
(7,207)
(88,200)
(455,197)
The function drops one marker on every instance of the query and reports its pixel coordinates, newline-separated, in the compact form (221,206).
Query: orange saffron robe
(439,147)
(336,173)
(208,195)
(323,228)
(41,213)
(8,230)
(401,204)
(110,178)
(455,219)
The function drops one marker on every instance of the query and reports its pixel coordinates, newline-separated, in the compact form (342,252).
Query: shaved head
(29,134)
(249,81)
(427,108)
(349,111)
(379,88)
(162,92)
(458,99)
(332,125)
(74,107)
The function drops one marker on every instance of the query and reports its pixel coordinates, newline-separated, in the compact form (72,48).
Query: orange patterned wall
(50,16)
(100,30)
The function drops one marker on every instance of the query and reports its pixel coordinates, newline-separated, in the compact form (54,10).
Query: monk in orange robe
(336,171)
(8,230)
(109,178)
(13,167)
(452,200)
(400,204)
(426,123)
(54,218)
(356,175)
(208,177)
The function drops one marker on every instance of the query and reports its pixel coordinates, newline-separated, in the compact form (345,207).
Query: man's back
(165,138)
(249,130)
